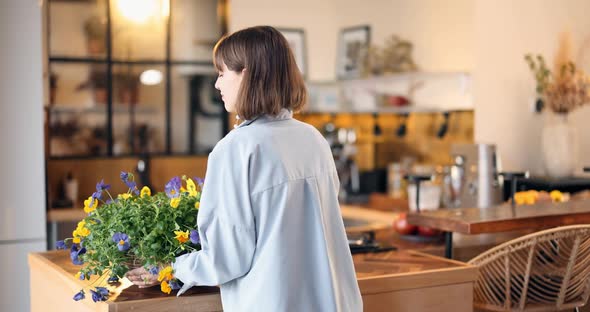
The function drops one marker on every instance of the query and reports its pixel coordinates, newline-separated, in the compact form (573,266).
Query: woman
(271,231)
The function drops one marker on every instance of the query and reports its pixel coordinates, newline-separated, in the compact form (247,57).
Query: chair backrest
(543,271)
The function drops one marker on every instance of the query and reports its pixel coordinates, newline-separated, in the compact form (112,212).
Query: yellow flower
(90,205)
(197,205)
(165,287)
(77,276)
(556,196)
(165,274)
(83,232)
(181,236)
(124,195)
(182,189)
(76,240)
(192,188)
(145,191)
(174,202)
(80,231)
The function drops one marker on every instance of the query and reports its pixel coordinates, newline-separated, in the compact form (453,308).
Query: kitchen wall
(317,18)
(440,30)
(486,38)
(503,85)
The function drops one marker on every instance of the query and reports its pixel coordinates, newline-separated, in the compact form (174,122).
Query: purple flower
(154,270)
(194,237)
(79,296)
(82,276)
(172,188)
(96,195)
(100,186)
(199,181)
(102,290)
(75,253)
(131,184)
(174,284)
(97,296)
(124,176)
(61,245)
(113,279)
(122,241)
(127,178)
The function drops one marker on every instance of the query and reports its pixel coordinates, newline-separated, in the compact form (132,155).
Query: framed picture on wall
(353,44)
(296,39)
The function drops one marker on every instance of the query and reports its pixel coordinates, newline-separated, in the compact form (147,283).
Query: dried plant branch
(567,87)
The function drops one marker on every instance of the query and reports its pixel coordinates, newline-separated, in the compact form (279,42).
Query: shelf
(100,110)
(398,77)
(428,92)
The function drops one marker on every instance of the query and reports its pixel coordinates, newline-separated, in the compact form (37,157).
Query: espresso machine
(473,179)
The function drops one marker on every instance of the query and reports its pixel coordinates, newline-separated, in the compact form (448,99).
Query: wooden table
(502,218)
(389,281)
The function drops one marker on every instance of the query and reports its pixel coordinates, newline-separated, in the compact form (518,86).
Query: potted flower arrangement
(562,90)
(134,229)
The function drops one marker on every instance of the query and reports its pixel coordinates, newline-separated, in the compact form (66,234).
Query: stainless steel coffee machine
(473,179)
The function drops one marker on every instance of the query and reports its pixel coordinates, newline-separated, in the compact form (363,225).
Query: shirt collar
(284,114)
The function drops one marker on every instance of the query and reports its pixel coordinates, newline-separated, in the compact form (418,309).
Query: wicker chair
(543,271)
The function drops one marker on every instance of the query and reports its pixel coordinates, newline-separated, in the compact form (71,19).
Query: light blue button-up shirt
(271,231)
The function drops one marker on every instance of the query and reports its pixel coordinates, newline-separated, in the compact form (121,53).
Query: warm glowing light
(151,77)
(140,11)
(165,8)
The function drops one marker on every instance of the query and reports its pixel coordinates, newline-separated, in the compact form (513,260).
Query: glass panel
(196,110)
(78,110)
(77,28)
(139,104)
(195,29)
(139,29)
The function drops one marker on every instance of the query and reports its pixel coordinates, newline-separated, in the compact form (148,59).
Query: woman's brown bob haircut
(271,80)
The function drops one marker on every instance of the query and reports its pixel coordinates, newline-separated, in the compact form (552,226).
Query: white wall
(316,17)
(440,30)
(504,31)
(22,173)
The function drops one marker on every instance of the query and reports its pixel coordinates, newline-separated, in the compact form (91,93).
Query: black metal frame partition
(168,63)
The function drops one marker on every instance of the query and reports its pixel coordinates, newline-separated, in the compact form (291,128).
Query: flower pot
(559,144)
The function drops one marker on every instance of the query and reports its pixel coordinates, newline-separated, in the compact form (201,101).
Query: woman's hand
(142,278)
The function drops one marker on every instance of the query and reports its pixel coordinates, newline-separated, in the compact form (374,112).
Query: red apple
(402,226)
(426,231)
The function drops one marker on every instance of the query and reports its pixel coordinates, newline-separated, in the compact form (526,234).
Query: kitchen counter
(389,281)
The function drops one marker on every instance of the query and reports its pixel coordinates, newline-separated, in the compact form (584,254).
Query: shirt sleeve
(225,223)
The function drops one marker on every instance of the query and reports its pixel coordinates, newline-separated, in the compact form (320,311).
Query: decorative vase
(559,143)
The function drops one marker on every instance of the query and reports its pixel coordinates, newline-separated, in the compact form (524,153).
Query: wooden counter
(505,217)
(389,281)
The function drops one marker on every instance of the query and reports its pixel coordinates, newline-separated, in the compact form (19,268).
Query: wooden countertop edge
(37,262)
(212,301)
(34,258)
(412,280)
(403,281)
